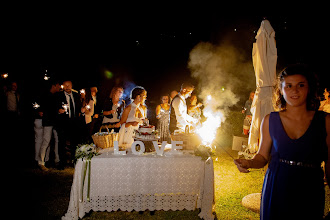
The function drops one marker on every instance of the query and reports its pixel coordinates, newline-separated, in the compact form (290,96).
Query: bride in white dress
(132,116)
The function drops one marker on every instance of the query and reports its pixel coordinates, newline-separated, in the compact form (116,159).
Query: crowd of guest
(64,117)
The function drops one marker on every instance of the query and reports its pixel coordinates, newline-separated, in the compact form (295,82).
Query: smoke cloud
(223,71)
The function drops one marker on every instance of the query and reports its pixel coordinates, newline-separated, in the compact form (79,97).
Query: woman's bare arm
(262,157)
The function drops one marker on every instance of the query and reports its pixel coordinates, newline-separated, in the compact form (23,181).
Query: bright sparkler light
(5,75)
(208,130)
(46,77)
(35,105)
(65,107)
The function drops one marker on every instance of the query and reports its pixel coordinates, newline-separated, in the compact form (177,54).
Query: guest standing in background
(13,103)
(194,110)
(38,129)
(96,120)
(248,114)
(87,111)
(172,95)
(163,116)
(67,122)
(48,115)
(113,108)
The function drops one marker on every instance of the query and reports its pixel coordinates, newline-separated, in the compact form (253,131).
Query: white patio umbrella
(264,55)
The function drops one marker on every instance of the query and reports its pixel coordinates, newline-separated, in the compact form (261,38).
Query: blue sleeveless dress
(295,191)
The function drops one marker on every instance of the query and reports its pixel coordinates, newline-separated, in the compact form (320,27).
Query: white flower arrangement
(86,151)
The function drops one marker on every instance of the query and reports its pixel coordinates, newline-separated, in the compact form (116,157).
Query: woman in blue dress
(295,142)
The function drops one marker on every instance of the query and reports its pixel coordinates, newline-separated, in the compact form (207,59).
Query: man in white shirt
(179,117)
(13,99)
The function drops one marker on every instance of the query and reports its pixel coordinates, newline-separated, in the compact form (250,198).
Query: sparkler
(46,77)
(35,105)
(65,106)
(5,75)
(82,91)
(207,131)
(88,107)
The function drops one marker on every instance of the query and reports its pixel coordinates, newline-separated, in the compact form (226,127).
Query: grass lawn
(46,195)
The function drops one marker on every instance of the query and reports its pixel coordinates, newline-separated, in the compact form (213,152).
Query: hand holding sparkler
(242,165)
(36,106)
(86,108)
(64,108)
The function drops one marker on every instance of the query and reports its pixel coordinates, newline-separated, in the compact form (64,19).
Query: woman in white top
(87,111)
(132,116)
(88,105)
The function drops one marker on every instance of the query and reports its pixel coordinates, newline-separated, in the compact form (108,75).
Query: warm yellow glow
(35,105)
(46,77)
(207,131)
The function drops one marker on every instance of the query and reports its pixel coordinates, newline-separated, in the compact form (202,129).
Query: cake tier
(147,129)
(145,137)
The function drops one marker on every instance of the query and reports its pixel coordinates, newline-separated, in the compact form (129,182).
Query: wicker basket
(106,140)
(190,141)
(102,141)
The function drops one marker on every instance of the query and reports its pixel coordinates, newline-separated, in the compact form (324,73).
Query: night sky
(146,48)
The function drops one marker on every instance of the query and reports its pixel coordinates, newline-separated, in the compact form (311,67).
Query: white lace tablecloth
(131,182)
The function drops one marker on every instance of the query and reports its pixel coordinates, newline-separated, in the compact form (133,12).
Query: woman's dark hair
(88,95)
(138,90)
(313,102)
(167,95)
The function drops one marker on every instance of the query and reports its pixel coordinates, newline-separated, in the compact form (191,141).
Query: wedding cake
(146,132)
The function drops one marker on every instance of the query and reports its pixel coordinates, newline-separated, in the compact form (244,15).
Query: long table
(140,182)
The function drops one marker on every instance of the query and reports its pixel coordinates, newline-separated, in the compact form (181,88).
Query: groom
(179,117)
